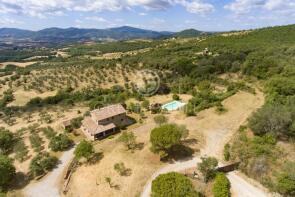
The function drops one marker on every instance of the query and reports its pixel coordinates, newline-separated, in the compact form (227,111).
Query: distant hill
(190,33)
(77,34)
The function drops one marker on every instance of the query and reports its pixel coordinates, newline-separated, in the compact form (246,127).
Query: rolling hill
(77,34)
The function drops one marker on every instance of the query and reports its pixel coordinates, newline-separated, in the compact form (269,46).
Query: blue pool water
(174,105)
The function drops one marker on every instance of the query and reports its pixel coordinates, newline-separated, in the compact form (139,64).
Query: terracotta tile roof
(94,128)
(107,112)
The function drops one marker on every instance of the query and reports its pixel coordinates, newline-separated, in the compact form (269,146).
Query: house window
(122,119)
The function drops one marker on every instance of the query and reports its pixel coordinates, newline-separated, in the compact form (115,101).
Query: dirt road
(217,131)
(49,185)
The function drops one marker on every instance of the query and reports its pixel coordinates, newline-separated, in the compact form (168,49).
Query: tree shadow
(20,181)
(116,186)
(95,158)
(127,172)
(139,146)
(180,152)
(191,141)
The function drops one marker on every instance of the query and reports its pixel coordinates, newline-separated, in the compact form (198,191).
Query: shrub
(7,171)
(121,169)
(84,149)
(48,132)
(6,140)
(286,180)
(145,104)
(21,150)
(173,184)
(164,137)
(160,119)
(221,186)
(60,142)
(190,109)
(271,119)
(208,167)
(76,122)
(36,142)
(129,139)
(42,163)
(226,152)
(175,97)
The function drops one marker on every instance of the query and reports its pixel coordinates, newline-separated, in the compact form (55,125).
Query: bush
(175,97)
(7,171)
(190,109)
(221,186)
(286,180)
(42,163)
(208,167)
(84,150)
(129,139)
(160,119)
(36,142)
(21,150)
(48,132)
(60,142)
(145,104)
(226,152)
(6,140)
(271,119)
(164,137)
(121,169)
(173,184)
(76,122)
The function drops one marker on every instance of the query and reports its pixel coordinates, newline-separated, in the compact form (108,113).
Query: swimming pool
(174,105)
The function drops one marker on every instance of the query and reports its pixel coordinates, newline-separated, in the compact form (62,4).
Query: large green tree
(60,142)
(7,171)
(42,163)
(129,140)
(164,137)
(208,167)
(84,150)
(173,184)
(275,119)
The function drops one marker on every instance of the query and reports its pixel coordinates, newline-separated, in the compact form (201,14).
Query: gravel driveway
(49,185)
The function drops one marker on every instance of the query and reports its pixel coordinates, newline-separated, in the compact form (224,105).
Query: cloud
(199,7)
(34,8)
(7,21)
(97,19)
(246,6)
(43,8)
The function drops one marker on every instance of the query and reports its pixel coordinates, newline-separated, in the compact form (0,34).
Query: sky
(159,15)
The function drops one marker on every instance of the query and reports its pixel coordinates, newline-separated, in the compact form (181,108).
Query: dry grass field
(90,179)
(19,64)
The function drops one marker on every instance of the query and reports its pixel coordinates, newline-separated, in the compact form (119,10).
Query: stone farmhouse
(104,121)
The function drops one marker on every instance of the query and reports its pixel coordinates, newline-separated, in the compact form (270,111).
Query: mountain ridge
(55,34)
